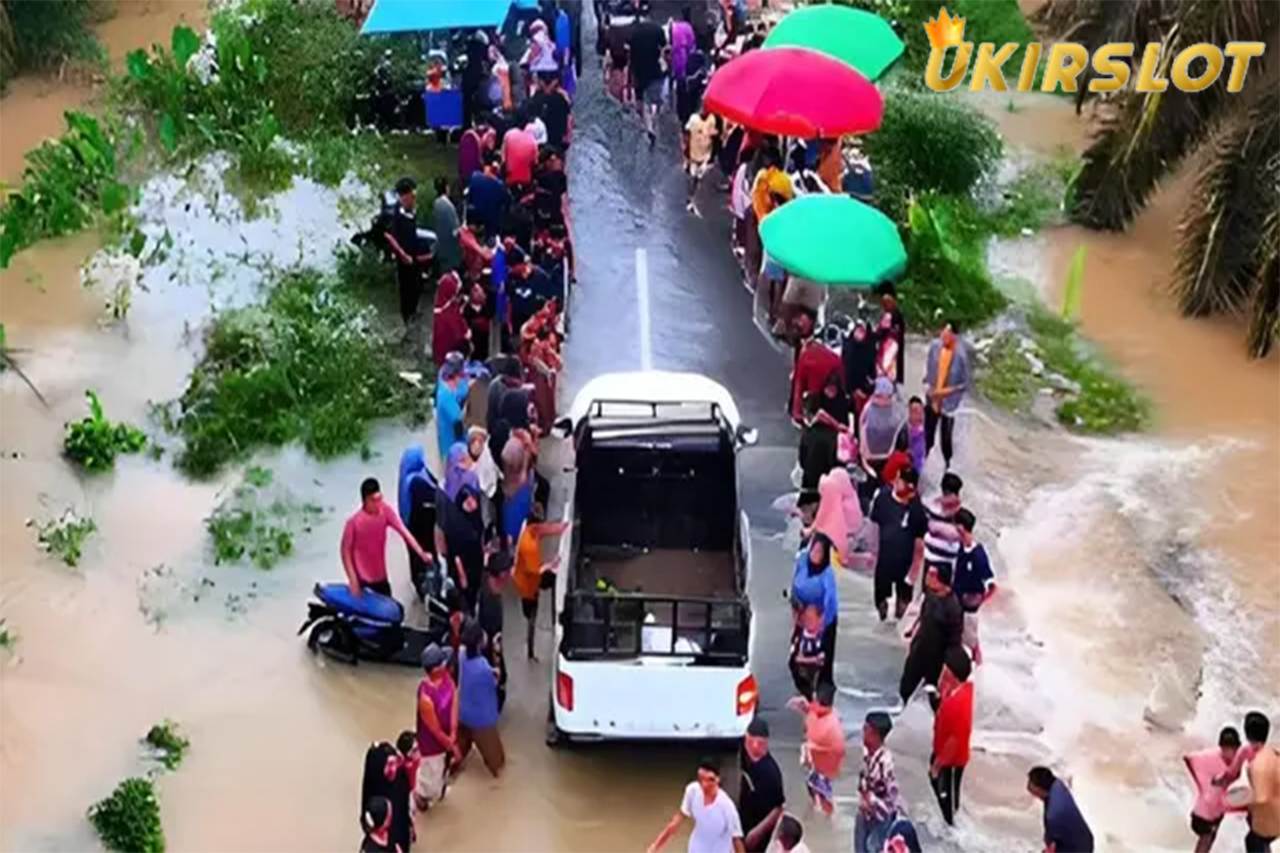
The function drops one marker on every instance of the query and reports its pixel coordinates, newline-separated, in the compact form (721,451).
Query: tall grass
(41,35)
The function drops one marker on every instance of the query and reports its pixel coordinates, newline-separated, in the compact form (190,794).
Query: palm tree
(1228,238)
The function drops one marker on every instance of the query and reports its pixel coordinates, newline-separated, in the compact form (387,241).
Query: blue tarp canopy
(412,16)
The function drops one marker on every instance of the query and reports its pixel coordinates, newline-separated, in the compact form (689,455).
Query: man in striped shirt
(942,542)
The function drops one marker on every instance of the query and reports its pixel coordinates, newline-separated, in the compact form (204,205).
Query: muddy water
(1116,607)
(1146,566)
(32,108)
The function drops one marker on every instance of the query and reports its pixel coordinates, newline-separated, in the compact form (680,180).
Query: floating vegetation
(128,821)
(255,525)
(167,744)
(310,365)
(64,537)
(95,442)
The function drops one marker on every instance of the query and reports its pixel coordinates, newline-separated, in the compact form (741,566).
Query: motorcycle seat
(370,605)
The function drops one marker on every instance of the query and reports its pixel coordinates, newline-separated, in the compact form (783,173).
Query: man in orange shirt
(532,575)
(952,730)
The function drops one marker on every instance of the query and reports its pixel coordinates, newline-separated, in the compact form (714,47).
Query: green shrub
(929,143)
(128,821)
(68,183)
(946,278)
(95,442)
(40,36)
(307,365)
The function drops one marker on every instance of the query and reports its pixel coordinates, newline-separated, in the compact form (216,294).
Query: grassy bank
(277,85)
(938,174)
(37,37)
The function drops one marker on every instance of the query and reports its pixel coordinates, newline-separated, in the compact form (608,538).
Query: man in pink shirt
(519,154)
(364,541)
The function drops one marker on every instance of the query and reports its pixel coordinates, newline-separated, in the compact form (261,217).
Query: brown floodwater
(148,629)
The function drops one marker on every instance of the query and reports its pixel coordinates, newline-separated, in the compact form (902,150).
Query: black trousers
(919,667)
(946,787)
(409,278)
(932,420)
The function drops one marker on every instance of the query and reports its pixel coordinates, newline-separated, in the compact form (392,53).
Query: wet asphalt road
(628,218)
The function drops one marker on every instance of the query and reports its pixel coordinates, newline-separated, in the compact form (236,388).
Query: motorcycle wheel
(333,639)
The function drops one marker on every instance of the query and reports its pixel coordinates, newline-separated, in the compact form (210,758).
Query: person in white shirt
(789,837)
(716,826)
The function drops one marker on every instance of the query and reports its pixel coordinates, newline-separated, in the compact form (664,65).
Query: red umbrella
(794,91)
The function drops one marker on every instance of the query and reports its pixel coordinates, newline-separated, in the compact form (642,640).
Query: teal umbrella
(834,239)
(857,38)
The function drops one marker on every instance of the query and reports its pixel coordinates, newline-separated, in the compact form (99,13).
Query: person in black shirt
(376,823)
(646,44)
(551,186)
(761,797)
(819,452)
(939,631)
(528,288)
(411,256)
(858,354)
(489,615)
(551,104)
(902,523)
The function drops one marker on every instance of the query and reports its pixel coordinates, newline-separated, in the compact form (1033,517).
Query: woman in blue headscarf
(451,394)
(459,471)
(417,506)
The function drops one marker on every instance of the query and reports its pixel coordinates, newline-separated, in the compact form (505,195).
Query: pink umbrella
(794,91)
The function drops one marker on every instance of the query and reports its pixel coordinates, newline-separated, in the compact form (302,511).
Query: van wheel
(555,738)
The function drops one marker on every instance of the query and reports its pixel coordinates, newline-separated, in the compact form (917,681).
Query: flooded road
(1119,560)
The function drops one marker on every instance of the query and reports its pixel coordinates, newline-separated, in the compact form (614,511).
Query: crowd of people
(500,272)
(865,438)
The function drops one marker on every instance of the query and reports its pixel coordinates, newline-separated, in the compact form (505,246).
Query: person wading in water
(364,541)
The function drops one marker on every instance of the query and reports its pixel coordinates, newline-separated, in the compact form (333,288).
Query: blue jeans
(869,834)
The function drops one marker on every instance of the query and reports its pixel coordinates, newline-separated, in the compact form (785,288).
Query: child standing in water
(1211,800)
(806,652)
(823,748)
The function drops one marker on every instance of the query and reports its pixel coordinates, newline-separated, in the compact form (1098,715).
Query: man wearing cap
(437,726)
(761,797)
(411,257)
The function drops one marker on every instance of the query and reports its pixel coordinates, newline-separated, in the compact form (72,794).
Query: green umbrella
(834,239)
(857,38)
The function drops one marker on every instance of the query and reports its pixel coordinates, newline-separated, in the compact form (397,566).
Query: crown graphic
(944,31)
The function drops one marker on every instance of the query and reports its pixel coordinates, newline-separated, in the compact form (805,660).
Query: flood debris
(8,637)
(94,442)
(64,537)
(258,523)
(310,364)
(166,744)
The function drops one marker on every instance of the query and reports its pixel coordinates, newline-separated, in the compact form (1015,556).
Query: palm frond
(1149,133)
(1264,312)
(8,47)
(1235,191)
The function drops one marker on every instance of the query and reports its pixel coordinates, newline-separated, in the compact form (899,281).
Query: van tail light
(564,691)
(747,695)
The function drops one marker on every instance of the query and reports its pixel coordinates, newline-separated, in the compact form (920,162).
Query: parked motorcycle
(371,627)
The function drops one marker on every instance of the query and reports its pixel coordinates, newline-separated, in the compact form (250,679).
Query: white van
(654,628)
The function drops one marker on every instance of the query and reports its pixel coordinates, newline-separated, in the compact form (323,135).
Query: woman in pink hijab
(839,515)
